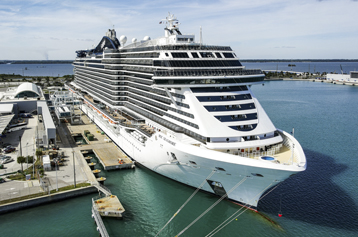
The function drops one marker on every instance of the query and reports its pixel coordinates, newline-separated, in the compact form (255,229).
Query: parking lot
(27,136)
(64,176)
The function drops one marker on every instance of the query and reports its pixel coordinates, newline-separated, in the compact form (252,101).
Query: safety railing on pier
(103,189)
(97,217)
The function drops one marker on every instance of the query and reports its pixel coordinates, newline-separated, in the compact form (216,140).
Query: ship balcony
(206,72)
(201,78)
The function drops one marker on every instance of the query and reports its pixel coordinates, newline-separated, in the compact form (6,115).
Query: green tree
(29,159)
(38,154)
(21,160)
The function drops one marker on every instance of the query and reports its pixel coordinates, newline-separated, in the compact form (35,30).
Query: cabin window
(173,155)
(258,175)
(192,162)
(195,55)
(228,55)
(219,168)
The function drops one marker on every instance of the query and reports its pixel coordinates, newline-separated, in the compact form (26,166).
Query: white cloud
(254,29)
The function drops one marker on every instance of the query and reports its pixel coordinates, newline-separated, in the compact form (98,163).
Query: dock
(107,153)
(109,206)
(97,218)
(115,160)
(94,145)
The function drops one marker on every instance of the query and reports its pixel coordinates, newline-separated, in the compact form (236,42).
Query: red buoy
(279,215)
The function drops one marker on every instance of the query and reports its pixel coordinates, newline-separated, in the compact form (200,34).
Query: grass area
(22,198)
(21,176)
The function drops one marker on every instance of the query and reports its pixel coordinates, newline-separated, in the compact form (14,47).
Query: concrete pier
(109,206)
(101,180)
(91,165)
(108,154)
(96,172)
(97,218)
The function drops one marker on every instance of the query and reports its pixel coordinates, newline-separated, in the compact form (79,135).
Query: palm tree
(38,154)
(21,160)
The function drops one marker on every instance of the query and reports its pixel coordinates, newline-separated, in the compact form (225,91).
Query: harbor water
(311,67)
(51,70)
(322,201)
(55,70)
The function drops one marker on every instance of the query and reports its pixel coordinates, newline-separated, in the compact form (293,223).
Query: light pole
(27,157)
(33,161)
(20,146)
(56,176)
(74,168)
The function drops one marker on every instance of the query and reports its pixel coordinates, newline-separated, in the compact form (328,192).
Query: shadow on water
(313,197)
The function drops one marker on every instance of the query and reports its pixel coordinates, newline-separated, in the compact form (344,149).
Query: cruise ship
(185,110)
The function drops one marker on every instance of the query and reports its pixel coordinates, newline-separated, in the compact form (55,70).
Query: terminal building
(27,98)
(24,97)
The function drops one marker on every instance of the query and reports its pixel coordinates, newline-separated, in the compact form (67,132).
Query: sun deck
(281,154)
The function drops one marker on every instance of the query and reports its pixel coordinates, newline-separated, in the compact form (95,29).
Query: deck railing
(101,228)
(256,154)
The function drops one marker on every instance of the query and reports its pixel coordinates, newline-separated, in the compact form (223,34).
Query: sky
(255,29)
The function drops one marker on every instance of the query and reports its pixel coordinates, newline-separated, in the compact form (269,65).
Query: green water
(322,201)
(80,138)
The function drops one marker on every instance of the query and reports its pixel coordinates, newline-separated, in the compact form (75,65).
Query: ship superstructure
(185,110)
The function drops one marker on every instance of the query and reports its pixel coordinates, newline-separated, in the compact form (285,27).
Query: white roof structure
(6,108)
(46,115)
(46,159)
(27,86)
(4,121)
(29,90)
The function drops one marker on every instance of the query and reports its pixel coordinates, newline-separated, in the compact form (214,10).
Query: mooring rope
(186,202)
(222,225)
(212,206)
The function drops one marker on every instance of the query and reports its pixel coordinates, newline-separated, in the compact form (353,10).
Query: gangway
(103,189)
(98,219)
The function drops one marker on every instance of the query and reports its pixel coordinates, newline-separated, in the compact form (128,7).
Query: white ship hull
(154,154)
(186,111)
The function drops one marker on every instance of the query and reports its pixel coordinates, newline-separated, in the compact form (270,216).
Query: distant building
(351,78)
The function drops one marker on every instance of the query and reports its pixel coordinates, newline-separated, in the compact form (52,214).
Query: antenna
(201,36)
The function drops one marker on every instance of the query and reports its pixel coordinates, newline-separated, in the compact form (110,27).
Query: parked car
(5,145)
(26,115)
(6,160)
(9,149)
